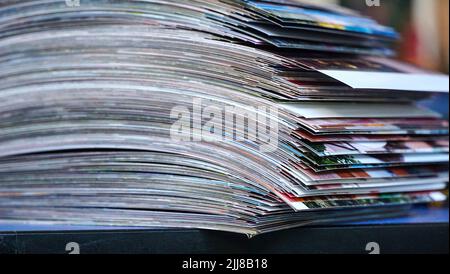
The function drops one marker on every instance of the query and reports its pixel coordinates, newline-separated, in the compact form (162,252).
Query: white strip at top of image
(391,80)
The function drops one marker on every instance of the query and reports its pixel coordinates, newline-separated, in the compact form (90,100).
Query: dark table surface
(424,231)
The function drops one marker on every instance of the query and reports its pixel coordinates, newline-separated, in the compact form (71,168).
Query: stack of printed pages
(234,115)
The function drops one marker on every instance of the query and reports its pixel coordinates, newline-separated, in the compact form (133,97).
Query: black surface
(409,239)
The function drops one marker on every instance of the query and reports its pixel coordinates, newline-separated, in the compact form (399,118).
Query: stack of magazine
(234,115)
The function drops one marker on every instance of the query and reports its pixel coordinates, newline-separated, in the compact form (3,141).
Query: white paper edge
(391,80)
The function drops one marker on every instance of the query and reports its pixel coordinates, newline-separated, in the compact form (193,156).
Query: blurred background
(424,27)
(423,24)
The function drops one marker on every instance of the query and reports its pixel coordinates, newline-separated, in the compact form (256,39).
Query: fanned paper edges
(90,97)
